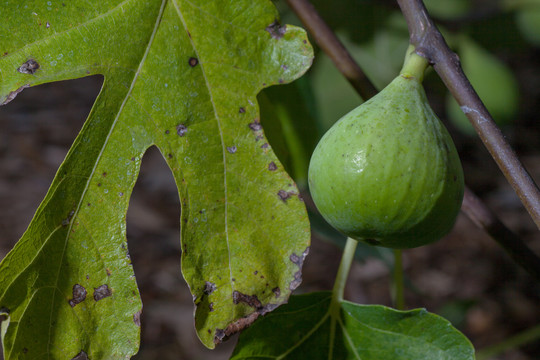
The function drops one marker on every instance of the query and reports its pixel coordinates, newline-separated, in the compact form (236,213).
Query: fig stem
(414,65)
(343,272)
(398,289)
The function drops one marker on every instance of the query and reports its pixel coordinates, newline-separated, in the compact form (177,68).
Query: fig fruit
(388,173)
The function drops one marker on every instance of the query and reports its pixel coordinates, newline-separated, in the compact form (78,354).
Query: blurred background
(465,277)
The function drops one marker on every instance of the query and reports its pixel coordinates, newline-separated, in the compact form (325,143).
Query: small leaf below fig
(309,329)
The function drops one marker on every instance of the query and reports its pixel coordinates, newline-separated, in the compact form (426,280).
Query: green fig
(388,173)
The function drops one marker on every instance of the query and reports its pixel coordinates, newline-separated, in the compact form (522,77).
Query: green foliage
(181,75)
(287,115)
(313,327)
(528,21)
(492,80)
(445,9)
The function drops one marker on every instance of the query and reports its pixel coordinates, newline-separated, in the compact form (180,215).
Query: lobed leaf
(182,75)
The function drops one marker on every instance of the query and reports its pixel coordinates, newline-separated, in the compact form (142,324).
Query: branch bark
(430,44)
(482,217)
(472,206)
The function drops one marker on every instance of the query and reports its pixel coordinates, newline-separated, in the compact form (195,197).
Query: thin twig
(511,343)
(332,46)
(473,207)
(510,242)
(429,43)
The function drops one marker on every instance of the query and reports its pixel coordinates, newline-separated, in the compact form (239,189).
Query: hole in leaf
(37,129)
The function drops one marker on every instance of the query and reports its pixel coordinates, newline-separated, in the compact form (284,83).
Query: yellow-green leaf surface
(313,327)
(181,75)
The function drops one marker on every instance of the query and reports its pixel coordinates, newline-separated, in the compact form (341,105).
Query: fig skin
(388,173)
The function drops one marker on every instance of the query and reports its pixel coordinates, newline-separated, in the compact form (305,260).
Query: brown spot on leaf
(242,110)
(181,130)
(219,335)
(102,292)
(255,125)
(231,149)
(283,195)
(137,318)
(193,61)
(276,291)
(264,146)
(79,294)
(29,67)
(211,307)
(242,323)
(272,166)
(276,30)
(250,300)
(296,281)
(298,260)
(108,272)
(13,94)
(81,356)
(209,287)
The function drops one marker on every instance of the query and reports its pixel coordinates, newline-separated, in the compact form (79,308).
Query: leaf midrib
(105,143)
(223,151)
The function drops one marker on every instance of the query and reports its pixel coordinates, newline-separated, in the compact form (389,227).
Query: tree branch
(472,205)
(429,43)
(482,217)
(332,46)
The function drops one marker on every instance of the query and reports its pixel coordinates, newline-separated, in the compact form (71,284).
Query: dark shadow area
(153,232)
(37,129)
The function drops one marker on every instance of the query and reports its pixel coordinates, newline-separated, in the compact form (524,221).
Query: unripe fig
(388,172)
